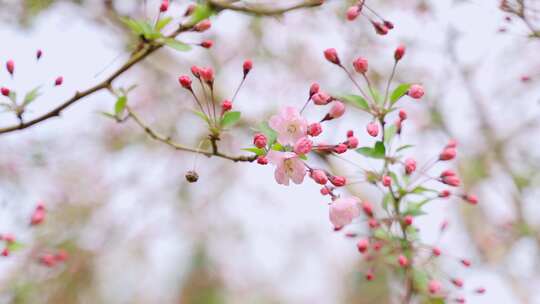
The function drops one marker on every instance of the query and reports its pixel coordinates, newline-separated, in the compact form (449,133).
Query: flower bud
(410,166)
(370,276)
(207,44)
(434,287)
(5,91)
(408,220)
(362,245)
(447,154)
(47,260)
(457,282)
(466,262)
(389,25)
(380,28)
(352,142)
(207,74)
(452,143)
(190,9)
(262,160)
(372,223)
(313,89)
(338,181)
(444,194)
(399,52)
(416,91)
(202,26)
(367,208)
(247,66)
(350,133)
(164,6)
(325,191)
(319,176)
(185,82)
(303,146)
(5,252)
(471,199)
(353,12)
(448,172)
(451,181)
(332,56)
(39,53)
(58,81)
(403,261)
(337,109)
(259,140)
(314,129)
(436,251)
(321,98)
(10,66)
(360,65)
(386,181)
(196,71)
(402,115)
(226,106)
(373,129)
(340,149)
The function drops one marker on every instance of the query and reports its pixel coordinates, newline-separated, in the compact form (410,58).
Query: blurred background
(138,232)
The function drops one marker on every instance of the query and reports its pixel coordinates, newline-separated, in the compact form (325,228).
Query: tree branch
(262,10)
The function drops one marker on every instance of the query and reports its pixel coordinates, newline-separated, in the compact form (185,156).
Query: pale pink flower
(289,125)
(288,166)
(343,211)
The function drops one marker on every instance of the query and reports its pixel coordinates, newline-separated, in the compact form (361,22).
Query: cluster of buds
(53,259)
(207,103)
(381,25)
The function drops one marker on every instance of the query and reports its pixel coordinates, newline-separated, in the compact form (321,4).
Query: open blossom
(288,167)
(289,125)
(343,211)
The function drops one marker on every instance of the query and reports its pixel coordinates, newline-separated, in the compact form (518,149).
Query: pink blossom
(289,125)
(314,88)
(288,166)
(343,211)
(373,129)
(303,146)
(314,129)
(360,65)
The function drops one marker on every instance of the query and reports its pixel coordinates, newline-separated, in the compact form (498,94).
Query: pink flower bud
(369,275)
(47,260)
(39,53)
(247,66)
(403,261)
(410,165)
(226,106)
(319,177)
(37,217)
(452,143)
(207,74)
(447,154)
(325,191)
(321,98)
(303,146)
(457,282)
(367,208)
(196,71)
(399,52)
(61,256)
(416,91)
(314,129)
(451,181)
(471,199)
(377,246)
(202,26)
(380,28)
(386,181)
(338,181)
(10,66)
(466,262)
(353,12)
(436,251)
(5,252)
(8,238)
(444,194)
(480,290)
(372,129)
(185,82)
(360,65)
(337,109)
(350,133)
(58,81)
(332,56)
(5,91)
(402,115)
(352,142)
(362,245)
(313,89)
(207,44)
(164,6)
(434,286)
(408,220)
(372,223)
(190,9)
(448,172)
(340,149)
(259,140)
(262,160)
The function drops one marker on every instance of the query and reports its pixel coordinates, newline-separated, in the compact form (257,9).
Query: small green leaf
(404,147)
(202,116)
(302,157)
(177,45)
(277,147)
(386,200)
(15,246)
(108,115)
(257,151)
(377,96)
(162,23)
(31,96)
(355,100)
(421,189)
(229,119)
(13,96)
(399,92)
(378,151)
(120,105)
(200,13)
(389,133)
(415,208)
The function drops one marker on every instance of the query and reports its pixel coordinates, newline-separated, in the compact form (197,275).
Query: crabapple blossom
(338,181)
(416,91)
(410,165)
(332,56)
(373,129)
(259,140)
(337,110)
(289,125)
(288,167)
(447,154)
(360,65)
(319,176)
(303,146)
(343,211)
(321,98)
(314,129)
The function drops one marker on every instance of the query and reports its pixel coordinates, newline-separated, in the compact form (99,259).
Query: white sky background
(265,238)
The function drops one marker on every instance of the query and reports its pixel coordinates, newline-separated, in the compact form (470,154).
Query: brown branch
(262,10)
(168,141)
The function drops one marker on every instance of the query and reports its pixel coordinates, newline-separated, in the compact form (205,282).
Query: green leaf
(415,208)
(404,147)
(270,134)
(377,96)
(355,100)
(277,147)
(302,157)
(15,246)
(387,199)
(378,151)
(31,96)
(399,92)
(162,23)
(202,116)
(120,105)
(389,133)
(177,45)
(200,13)
(229,119)
(257,151)
(133,25)
(421,189)
(420,279)
(13,96)
(108,115)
